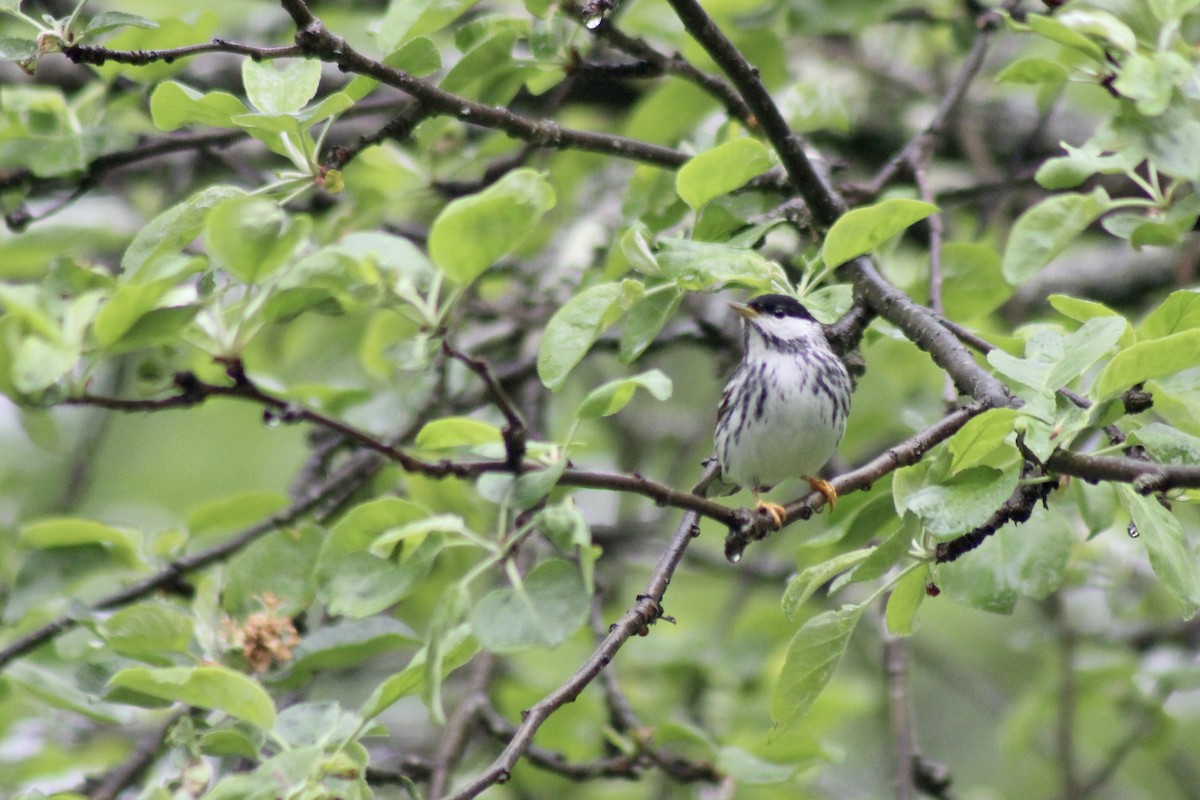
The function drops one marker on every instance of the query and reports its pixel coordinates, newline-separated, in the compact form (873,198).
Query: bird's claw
(775,511)
(825,488)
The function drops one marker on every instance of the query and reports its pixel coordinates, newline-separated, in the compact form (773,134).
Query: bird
(784,409)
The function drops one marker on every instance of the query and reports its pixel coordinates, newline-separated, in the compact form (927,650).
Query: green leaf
(1146,360)
(450,432)
(458,648)
(905,601)
(347,644)
(645,320)
(111,20)
(1056,31)
(1168,445)
(721,169)
(172,230)
(551,604)
(1079,309)
(316,723)
(614,395)
(71,532)
(1033,70)
(413,18)
(751,770)
(386,543)
(1018,560)
(573,330)
(861,230)
(173,105)
(701,266)
(976,441)
(278,564)
(1150,80)
(124,308)
(954,506)
(148,631)
(1171,557)
(418,57)
(531,487)
(212,687)
(1100,24)
(13,49)
(973,283)
(888,554)
(233,513)
(24,678)
(251,237)
(280,91)
(812,657)
(472,232)
(1042,232)
(809,580)
(1179,312)
(358,584)
(38,364)
(1054,360)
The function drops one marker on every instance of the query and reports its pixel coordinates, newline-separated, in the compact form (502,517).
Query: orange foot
(825,488)
(774,510)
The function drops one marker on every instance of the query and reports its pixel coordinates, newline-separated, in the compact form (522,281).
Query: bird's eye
(779,313)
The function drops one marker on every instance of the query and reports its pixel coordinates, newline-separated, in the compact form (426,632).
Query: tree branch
(822,200)
(353,474)
(674,65)
(636,620)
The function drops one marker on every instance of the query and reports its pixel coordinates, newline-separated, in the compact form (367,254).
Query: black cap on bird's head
(778,306)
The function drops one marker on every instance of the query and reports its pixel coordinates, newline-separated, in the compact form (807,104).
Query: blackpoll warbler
(784,410)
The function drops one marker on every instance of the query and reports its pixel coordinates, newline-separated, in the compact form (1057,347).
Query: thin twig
(354,473)
(904,747)
(645,611)
(458,727)
(132,769)
(675,65)
(514,431)
(826,205)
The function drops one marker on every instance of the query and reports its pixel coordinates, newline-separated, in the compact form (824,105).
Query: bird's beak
(743,309)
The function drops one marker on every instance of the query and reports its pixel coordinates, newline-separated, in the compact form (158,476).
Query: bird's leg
(775,511)
(825,488)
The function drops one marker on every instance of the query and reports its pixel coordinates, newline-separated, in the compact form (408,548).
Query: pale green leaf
(1149,359)
(385,544)
(1018,560)
(809,580)
(212,687)
(173,105)
(458,647)
(812,657)
(751,770)
(982,436)
(551,605)
(905,601)
(614,395)
(173,229)
(701,266)
(1168,445)
(450,432)
(1179,312)
(1171,556)
(954,506)
(861,230)
(573,330)
(1042,232)
(472,232)
(721,169)
(273,90)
